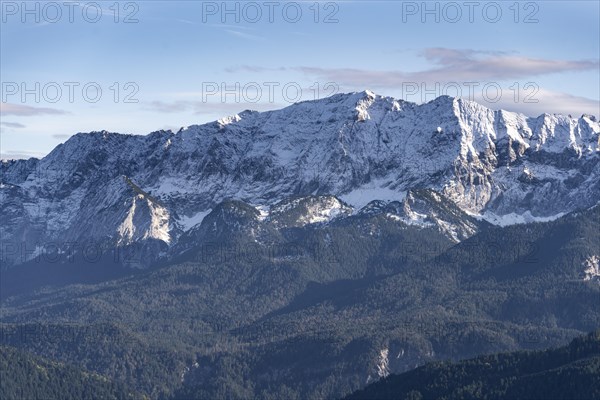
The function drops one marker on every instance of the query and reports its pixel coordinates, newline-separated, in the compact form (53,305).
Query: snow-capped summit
(358,147)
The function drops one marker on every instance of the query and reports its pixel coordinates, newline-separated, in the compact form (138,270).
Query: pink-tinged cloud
(546,101)
(447,65)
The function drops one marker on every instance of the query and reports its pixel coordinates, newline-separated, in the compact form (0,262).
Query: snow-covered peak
(228,120)
(358,147)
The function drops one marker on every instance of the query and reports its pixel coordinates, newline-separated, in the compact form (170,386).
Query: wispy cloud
(20,155)
(548,101)
(243,35)
(479,65)
(234,108)
(61,136)
(448,65)
(254,68)
(230,26)
(239,31)
(27,111)
(213,107)
(185,21)
(172,107)
(12,125)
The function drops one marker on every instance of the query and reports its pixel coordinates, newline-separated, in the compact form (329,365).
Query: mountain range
(105,190)
(300,253)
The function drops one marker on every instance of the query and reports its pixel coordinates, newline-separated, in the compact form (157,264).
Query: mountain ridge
(501,166)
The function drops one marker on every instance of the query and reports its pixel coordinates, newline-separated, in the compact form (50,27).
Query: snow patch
(393,217)
(229,120)
(383,367)
(592,268)
(374,190)
(362,106)
(263,212)
(323,212)
(514,219)
(188,223)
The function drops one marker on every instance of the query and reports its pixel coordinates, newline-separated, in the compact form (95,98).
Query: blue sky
(167,65)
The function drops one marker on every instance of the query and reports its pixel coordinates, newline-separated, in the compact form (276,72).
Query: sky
(140,66)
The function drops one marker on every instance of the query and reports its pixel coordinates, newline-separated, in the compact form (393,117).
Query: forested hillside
(25,376)
(569,372)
